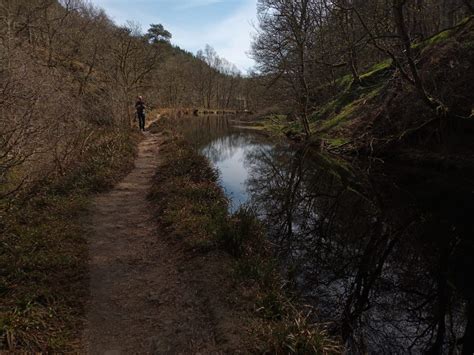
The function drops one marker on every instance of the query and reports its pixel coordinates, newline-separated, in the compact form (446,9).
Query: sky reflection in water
(384,259)
(229,155)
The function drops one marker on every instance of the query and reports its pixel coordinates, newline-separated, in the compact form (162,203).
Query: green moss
(344,82)
(324,111)
(336,142)
(443,35)
(440,37)
(374,73)
(350,103)
(340,108)
(338,119)
(346,114)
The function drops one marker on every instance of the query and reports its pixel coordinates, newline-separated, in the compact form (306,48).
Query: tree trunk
(353,67)
(398,8)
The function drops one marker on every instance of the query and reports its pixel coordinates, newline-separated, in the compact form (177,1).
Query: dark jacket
(140,107)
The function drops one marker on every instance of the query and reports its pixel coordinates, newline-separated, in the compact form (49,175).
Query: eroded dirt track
(147,295)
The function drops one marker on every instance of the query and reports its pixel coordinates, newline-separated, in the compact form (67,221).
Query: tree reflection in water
(384,257)
(226,147)
(378,261)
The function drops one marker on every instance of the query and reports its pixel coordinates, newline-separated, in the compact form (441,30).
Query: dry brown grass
(43,255)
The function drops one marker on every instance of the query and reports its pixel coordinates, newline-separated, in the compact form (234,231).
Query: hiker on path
(140,108)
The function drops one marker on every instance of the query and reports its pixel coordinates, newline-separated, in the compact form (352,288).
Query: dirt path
(147,295)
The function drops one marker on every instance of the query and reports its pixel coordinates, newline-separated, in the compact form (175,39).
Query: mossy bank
(384,116)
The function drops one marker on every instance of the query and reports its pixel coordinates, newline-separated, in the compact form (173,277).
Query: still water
(229,155)
(384,253)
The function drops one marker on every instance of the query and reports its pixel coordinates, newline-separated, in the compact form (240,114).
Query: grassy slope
(328,121)
(43,255)
(361,115)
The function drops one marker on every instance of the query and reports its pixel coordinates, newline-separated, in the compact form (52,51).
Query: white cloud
(191,4)
(230,35)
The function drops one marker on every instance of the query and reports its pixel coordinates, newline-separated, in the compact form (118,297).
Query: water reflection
(384,257)
(229,155)
(385,262)
(227,147)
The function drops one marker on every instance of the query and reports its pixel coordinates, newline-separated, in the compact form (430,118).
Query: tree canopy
(157,33)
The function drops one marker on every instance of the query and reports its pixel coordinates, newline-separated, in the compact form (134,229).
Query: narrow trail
(147,296)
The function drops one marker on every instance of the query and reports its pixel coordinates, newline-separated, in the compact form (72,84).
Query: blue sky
(226,25)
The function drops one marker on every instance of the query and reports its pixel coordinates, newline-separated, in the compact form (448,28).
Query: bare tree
(131,62)
(282,47)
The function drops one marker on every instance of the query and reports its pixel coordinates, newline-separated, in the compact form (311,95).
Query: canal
(384,253)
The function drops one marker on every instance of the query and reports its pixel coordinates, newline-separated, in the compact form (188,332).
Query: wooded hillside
(69,77)
(308,49)
(67,71)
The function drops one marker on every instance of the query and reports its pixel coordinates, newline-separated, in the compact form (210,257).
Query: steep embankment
(385,115)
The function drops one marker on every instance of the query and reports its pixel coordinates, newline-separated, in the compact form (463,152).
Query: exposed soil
(148,294)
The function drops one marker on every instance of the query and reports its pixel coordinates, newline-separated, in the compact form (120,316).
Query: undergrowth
(43,255)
